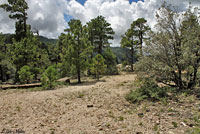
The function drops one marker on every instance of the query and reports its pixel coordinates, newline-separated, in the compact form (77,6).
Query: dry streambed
(94,108)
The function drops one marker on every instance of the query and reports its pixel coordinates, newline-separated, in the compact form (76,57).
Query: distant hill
(47,40)
(42,39)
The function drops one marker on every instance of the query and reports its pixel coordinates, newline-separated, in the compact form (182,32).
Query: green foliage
(77,48)
(133,39)
(175,124)
(147,89)
(110,62)
(173,55)
(49,77)
(98,66)
(25,74)
(121,54)
(28,51)
(195,130)
(100,32)
(140,30)
(18,10)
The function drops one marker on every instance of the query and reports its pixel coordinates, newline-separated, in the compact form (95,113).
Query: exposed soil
(93,108)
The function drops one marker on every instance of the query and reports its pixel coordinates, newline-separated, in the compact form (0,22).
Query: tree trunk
(180,82)
(132,56)
(16,75)
(192,82)
(100,46)
(1,72)
(79,75)
(25,28)
(141,42)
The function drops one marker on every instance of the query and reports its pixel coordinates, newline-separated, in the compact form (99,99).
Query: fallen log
(4,87)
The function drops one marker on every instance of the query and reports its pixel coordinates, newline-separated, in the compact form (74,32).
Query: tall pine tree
(18,11)
(77,48)
(100,32)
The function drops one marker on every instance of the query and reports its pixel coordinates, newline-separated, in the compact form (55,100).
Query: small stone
(90,105)
(170,132)
(182,123)
(140,115)
(119,130)
(147,110)
(157,122)
(101,128)
(191,125)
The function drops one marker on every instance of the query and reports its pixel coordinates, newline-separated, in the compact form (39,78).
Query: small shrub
(175,124)
(121,118)
(156,127)
(49,77)
(193,131)
(147,89)
(80,95)
(25,74)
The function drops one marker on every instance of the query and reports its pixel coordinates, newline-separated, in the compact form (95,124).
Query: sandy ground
(89,108)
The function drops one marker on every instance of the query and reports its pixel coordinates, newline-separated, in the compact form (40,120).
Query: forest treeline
(169,54)
(80,50)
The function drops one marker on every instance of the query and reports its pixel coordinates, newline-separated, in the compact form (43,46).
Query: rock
(157,122)
(101,128)
(191,125)
(170,132)
(182,123)
(147,110)
(119,130)
(90,105)
(140,115)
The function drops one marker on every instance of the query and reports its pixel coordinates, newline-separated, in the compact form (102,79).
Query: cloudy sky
(51,16)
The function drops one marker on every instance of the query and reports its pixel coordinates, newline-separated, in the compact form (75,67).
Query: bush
(147,89)
(194,131)
(25,74)
(49,77)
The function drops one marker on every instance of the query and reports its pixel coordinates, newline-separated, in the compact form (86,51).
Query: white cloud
(48,15)
(45,15)
(119,13)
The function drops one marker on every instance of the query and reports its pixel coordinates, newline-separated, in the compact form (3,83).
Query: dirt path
(90,108)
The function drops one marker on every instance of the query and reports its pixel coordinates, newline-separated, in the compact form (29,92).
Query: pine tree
(28,52)
(18,10)
(25,74)
(139,30)
(78,48)
(128,41)
(49,77)
(100,32)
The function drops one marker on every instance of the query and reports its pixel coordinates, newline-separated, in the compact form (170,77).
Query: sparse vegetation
(163,77)
(147,89)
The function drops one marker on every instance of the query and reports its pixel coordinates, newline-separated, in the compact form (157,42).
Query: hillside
(47,40)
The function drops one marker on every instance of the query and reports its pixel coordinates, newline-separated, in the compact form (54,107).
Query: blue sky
(83,1)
